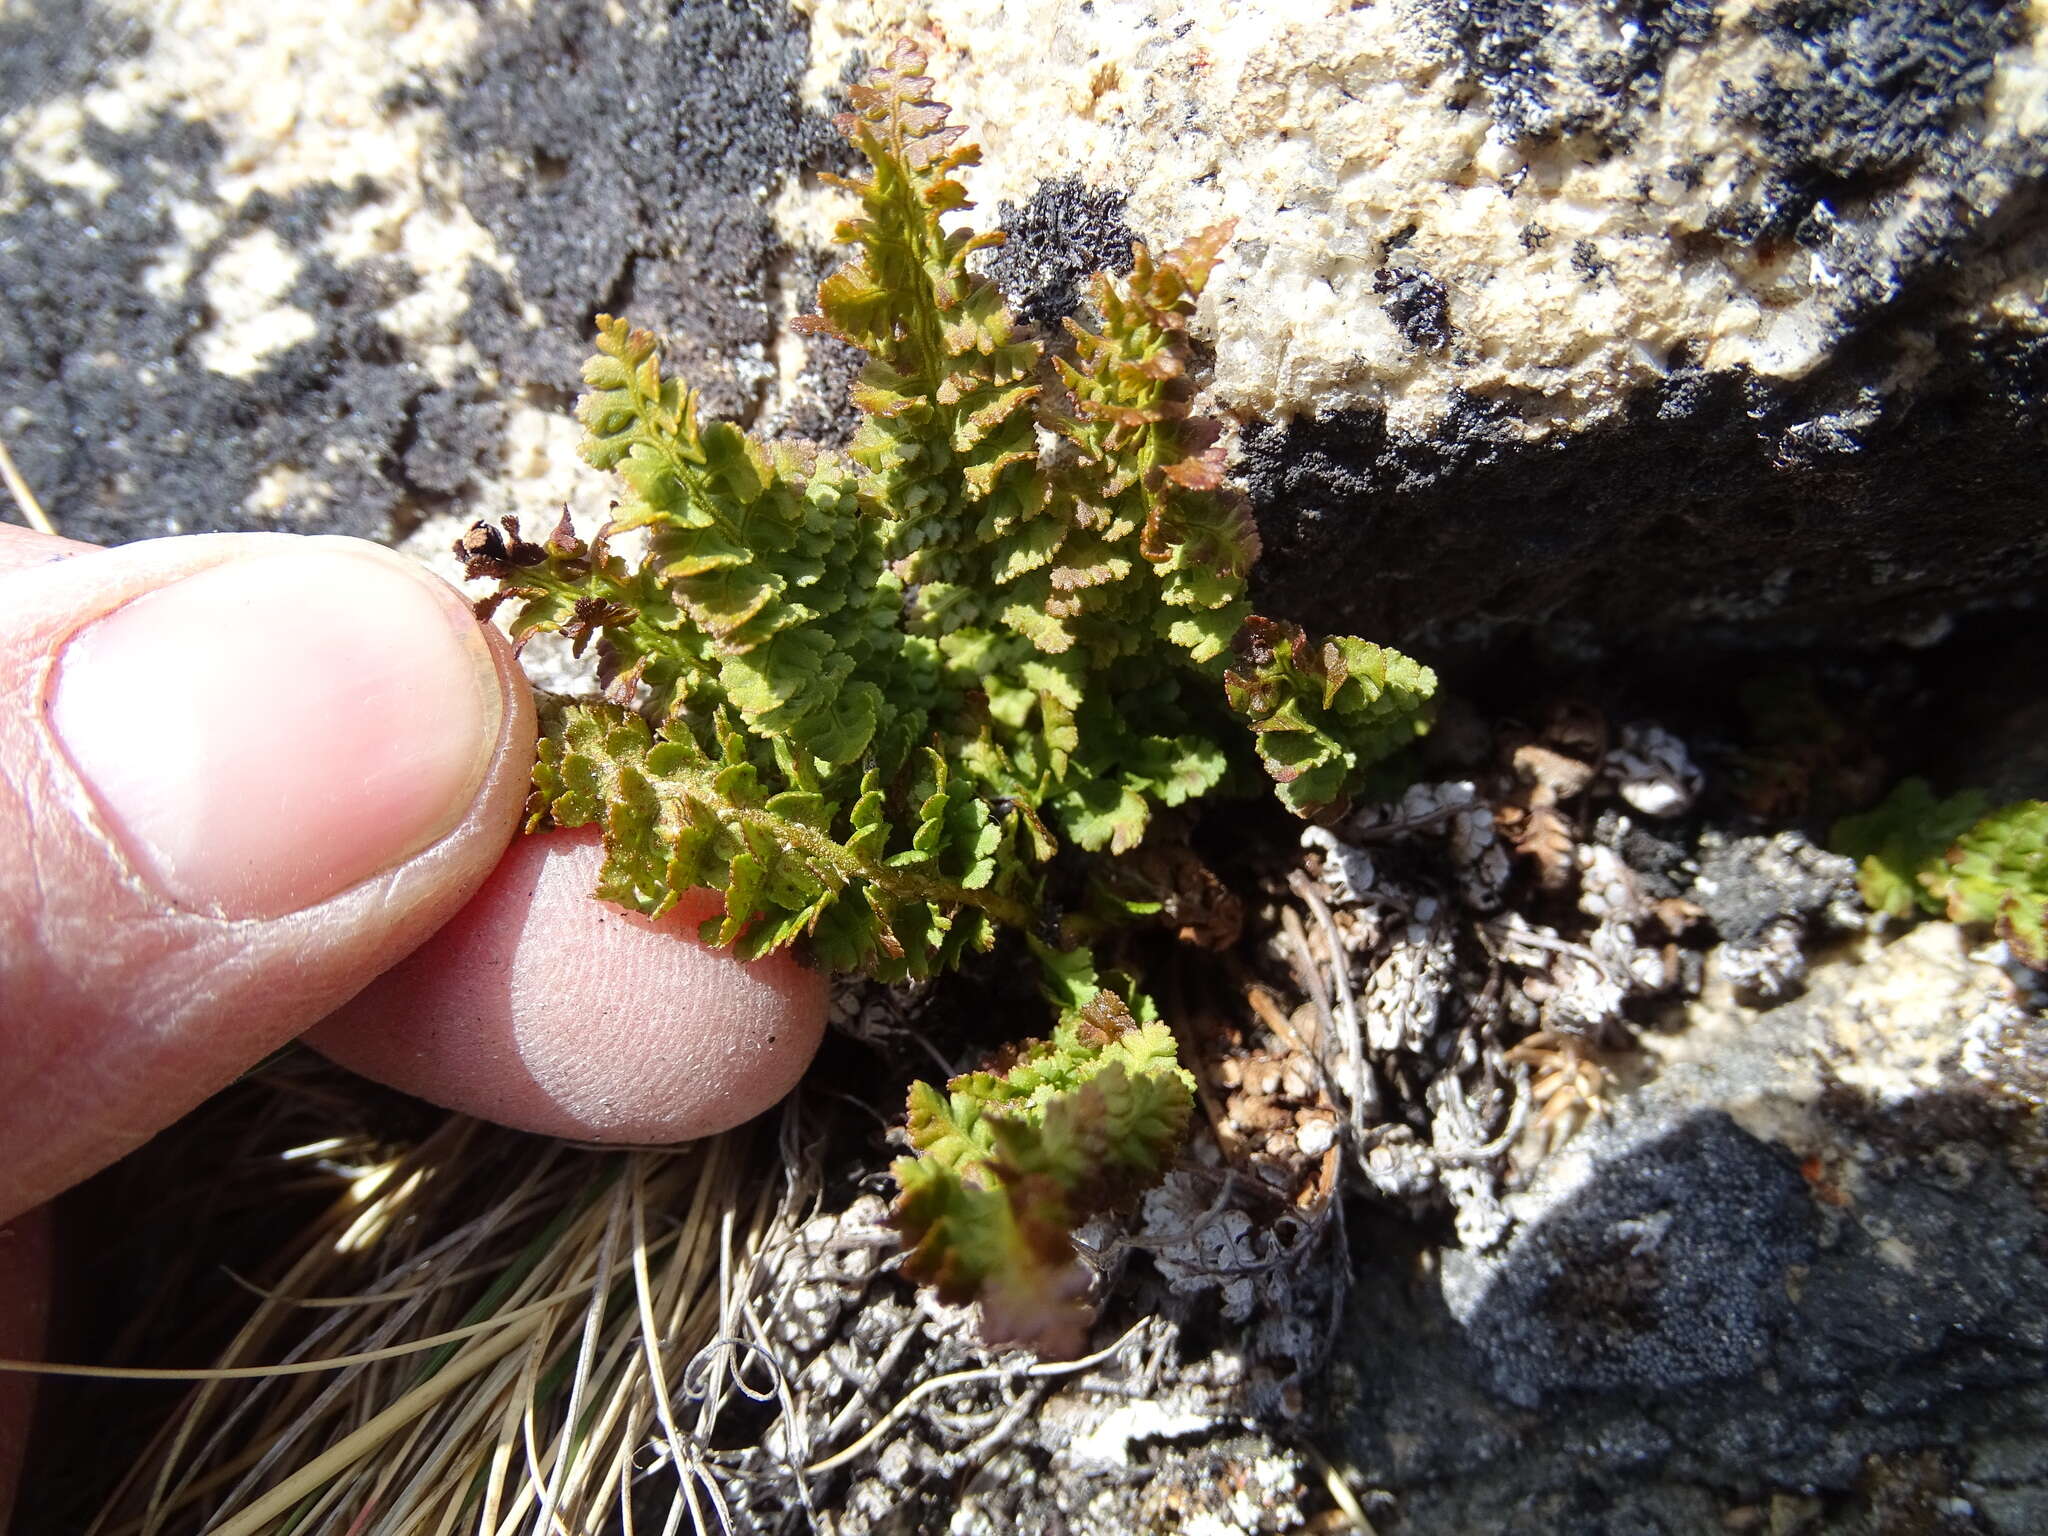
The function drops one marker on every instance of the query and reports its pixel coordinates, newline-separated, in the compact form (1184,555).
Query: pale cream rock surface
(1344,138)
(397,216)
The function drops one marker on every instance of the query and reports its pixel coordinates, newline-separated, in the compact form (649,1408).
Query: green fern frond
(868,698)
(1324,713)
(950,436)
(893,896)
(1158,515)
(1956,858)
(1997,873)
(1011,1161)
(1897,841)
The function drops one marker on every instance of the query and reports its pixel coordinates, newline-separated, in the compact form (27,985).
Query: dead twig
(18,487)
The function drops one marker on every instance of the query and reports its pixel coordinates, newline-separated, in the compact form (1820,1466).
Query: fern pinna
(868,696)
(1958,858)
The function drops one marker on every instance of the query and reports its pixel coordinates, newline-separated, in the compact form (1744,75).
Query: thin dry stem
(487,1364)
(18,487)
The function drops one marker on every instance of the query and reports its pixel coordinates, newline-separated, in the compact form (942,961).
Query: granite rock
(1808,1243)
(1693,319)
(1692,316)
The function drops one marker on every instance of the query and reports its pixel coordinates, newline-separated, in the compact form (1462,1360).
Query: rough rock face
(331,268)
(1646,318)
(1803,1254)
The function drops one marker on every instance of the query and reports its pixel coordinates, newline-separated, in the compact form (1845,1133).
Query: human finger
(240,775)
(544,1008)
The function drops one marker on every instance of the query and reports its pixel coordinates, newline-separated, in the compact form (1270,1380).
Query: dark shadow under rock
(1669,1270)
(1715,506)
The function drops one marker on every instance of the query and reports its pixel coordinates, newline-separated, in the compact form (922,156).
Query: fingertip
(24,548)
(175,901)
(279,774)
(542,1008)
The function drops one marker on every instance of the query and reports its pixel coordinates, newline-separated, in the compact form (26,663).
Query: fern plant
(868,696)
(1010,1162)
(1957,858)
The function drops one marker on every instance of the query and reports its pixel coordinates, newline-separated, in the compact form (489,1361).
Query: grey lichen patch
(345,242)
(50,47)
(1769,898)
(347,247)
(222,309)
(135,415)
(625,158)
(1811,1236)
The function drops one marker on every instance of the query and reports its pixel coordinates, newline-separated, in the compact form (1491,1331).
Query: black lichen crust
(125,434)
(1417,304)
(1063,236)
(639,151)
(1666,1272)
(1866,90)
(50,47)
(627,166)
(1544,82)
(1689,1326)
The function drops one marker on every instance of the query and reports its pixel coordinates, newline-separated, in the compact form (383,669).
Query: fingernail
(267,733)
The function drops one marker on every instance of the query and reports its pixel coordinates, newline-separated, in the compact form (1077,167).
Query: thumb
(240,775)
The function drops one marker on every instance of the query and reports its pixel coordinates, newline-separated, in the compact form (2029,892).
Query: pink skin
(242,777)
(524,1008)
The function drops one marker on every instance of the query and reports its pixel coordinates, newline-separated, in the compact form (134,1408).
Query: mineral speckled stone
(1649,316)
(1705,318)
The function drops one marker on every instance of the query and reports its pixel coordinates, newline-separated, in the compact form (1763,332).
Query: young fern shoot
(868,696)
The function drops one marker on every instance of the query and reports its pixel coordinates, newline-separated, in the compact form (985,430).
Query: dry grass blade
(936,1384)
(483,1333)
(1360,1090)
(457,1330)
(18,487)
